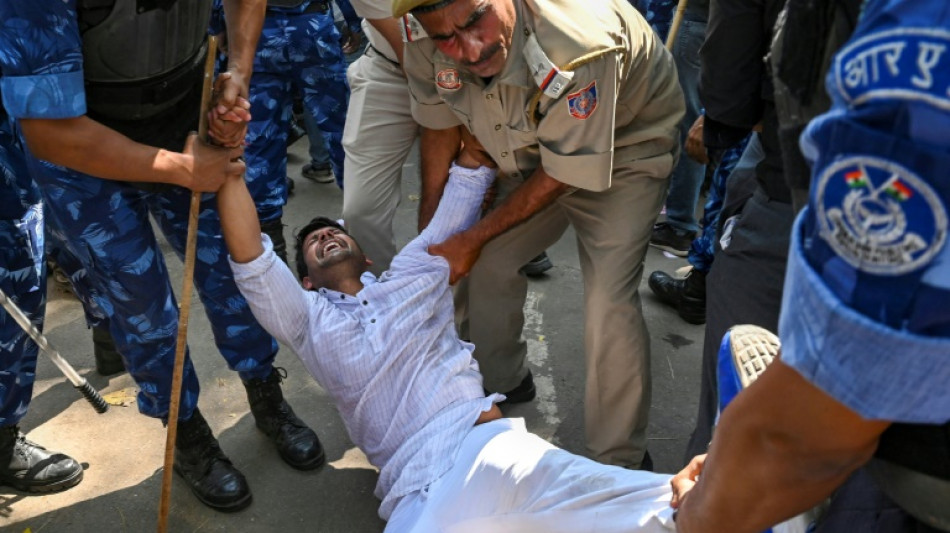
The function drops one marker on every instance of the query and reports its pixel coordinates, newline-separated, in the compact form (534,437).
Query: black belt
(370,46)
(320,6)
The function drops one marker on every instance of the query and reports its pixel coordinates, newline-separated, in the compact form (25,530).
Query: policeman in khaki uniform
(578,104)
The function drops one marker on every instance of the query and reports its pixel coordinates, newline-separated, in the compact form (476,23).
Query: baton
(88,392)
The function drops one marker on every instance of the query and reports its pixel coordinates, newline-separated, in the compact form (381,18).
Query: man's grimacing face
(327,247)
(474,33)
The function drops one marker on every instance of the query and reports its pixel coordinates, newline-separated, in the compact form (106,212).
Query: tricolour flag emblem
(856,179)
(897,190)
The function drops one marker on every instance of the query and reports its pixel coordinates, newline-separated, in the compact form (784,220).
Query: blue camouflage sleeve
(865,315)
(41,59)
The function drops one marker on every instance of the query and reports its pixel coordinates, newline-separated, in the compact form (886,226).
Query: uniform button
(497,127)
(365,302)
(515,174)
(372,321)
(504,154)
(489,96)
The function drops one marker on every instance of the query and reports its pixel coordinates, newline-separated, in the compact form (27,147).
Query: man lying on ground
(408,390)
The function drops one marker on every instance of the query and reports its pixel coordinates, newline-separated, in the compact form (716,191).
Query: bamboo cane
(190,245)
(675,26)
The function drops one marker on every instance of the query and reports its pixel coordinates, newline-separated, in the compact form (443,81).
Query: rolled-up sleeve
(41,60)
(576,134)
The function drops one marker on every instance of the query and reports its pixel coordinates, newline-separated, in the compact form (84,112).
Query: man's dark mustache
(488,53)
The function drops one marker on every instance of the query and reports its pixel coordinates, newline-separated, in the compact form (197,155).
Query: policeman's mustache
(487,54)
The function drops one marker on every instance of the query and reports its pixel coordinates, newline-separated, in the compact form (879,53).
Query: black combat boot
(687,296)
(275,230)
(298,444)
(209,473)
(29,467)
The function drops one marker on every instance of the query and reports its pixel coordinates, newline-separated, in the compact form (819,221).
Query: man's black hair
(312,226)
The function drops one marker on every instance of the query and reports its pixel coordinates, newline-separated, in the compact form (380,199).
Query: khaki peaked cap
(401,7)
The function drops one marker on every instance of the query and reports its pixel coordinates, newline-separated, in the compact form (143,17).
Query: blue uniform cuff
(52,96)
(879,372)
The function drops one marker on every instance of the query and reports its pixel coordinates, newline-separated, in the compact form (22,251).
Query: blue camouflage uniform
(298,53)
(865,315)
(22,274)
(105,224)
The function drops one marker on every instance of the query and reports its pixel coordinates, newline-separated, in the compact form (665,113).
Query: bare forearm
(780,448)
(244,20)
(239,222)
(87,146)
(537,192)
(438,148)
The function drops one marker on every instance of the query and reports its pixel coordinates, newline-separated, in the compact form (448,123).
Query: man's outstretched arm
(239,223)
(781,447)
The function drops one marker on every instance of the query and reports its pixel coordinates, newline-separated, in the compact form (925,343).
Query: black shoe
(675,241)
(108,360)
(298,444)
(295,132)
(291,185)
(210,474)
(687,296)
(537,266)
(524,392)
(29,467)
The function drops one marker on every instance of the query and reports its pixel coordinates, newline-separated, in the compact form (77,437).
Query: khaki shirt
(624,105)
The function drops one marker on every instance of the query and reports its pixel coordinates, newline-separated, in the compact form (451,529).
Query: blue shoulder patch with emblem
(902,63)
(878,216)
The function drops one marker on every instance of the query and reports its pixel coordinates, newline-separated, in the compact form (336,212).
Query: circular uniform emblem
(448,79)
(878,216)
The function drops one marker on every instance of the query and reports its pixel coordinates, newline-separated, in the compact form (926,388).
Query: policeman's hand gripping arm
(212,166)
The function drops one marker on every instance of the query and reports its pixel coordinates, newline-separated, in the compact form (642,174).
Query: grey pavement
(122,451)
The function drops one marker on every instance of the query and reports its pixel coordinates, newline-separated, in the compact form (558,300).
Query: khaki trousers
(613,229)
(377,138)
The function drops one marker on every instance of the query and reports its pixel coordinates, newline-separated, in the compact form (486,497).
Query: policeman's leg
(25,465)
(323,79)
(378,136)
(496,298)
(613,230)
(266,152)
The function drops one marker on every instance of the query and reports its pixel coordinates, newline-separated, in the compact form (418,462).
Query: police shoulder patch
(878,216)
(448,79)
(581,104)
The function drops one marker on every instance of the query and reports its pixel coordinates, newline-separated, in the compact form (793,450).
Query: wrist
(173,168)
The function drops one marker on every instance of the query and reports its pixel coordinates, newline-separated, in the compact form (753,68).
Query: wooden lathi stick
(185,306)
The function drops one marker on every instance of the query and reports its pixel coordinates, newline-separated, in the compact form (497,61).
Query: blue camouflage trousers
(109,250)
(703,247)
(296,54)
(23,280)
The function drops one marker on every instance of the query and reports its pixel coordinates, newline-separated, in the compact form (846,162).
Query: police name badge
(878,216)
(547,76)
(411,29)
(582,103)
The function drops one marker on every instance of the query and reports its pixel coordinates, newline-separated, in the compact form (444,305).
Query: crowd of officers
(581,107)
